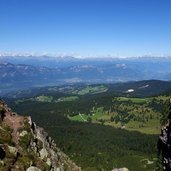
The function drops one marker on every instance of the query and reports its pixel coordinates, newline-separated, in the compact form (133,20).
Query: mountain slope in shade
(26,147)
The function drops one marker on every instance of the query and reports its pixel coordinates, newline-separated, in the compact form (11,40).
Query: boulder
(23,133)
(32,168)
(43,153)
(121,169)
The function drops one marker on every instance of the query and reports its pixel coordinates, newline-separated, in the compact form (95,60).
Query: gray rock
(43,153)
(32,168)
(121,169)
(23,133)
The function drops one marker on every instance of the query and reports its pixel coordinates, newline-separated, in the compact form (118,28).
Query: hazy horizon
(60,55)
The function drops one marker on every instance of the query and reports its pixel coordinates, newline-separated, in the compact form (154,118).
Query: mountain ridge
(20,73)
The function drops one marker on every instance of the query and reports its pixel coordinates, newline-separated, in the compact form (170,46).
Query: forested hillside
(95,126)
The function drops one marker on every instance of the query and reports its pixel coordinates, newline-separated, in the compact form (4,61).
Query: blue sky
(86,27)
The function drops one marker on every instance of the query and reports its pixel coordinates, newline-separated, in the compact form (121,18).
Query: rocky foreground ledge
(27,147)
(164,143)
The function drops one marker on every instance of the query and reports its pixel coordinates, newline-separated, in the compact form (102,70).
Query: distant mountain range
(18,72)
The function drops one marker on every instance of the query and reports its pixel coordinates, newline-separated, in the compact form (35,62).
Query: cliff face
(27,147)
(164,143)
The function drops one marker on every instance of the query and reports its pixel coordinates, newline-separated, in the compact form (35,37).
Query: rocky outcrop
(164,143)
(26,147)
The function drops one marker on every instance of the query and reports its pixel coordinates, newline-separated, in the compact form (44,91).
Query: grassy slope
(150,126)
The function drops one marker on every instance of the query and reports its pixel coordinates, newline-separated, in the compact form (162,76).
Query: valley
(91,123)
